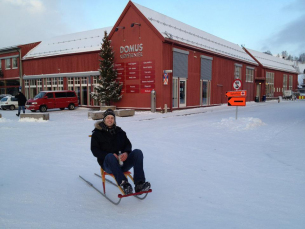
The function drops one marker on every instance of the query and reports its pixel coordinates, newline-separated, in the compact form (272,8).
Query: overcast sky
(274,25)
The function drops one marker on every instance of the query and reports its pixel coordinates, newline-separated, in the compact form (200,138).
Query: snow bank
(241,123)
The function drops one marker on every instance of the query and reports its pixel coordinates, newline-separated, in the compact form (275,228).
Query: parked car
(4,95)
(53,99)
(9,102)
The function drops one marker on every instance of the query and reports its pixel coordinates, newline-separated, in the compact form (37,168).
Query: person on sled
(107,142)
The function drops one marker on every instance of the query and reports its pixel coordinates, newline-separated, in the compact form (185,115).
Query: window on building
(49,82)
(7,63)
(77,81)
(290,82)
(237,73)
(95,78)
(39,82)
(269,84)
(84,80)
(15,64)
(60,83)
(284,82)
(0,64)
(249,74)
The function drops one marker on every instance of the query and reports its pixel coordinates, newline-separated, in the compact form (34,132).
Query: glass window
(95,78)
(15,64)
(284,82)
(49,82)
(269,84)
(71,94)
(237,73)
(60,81)
(249,75)
(0,64)
(50,95)
(60,94)
(39,82)
(12,83)
(33,83)
(40,95)
(182,100)
(7,63)
(77,81)
(290,82)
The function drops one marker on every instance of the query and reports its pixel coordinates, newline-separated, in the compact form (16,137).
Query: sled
(127,175)
(120,196)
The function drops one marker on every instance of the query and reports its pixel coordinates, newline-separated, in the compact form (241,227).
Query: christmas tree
(108,89)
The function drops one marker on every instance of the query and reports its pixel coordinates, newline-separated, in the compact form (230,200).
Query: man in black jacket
(107,142)
(21,102)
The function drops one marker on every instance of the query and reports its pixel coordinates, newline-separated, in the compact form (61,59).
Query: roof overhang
(55,75)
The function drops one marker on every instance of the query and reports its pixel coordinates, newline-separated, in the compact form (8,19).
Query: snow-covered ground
(207,170)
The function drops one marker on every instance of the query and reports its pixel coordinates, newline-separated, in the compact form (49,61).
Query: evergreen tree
(108,89)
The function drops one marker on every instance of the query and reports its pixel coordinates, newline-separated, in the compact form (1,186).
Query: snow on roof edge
(68,44)
(221,46)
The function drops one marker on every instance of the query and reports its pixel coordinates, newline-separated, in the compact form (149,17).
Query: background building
(68,62)
(11,69)
(274,75)
(147,46)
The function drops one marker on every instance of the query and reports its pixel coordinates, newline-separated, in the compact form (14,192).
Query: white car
(9,102)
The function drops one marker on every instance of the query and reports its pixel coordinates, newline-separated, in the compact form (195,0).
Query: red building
(68,62)
(203,66)
(11,69)
(147,45)
(274,75)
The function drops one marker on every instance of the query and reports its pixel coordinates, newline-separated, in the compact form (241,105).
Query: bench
(95,115)
(43,116)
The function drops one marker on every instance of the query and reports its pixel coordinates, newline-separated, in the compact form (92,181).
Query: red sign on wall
(132,77)
(132,90)
(119,66)
(130,64)
(134,86)
(146,86)
(146,90)
(147,81)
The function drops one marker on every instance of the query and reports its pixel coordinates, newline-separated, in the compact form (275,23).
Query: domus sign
(130,51)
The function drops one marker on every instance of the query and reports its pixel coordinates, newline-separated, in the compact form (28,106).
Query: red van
(53,99)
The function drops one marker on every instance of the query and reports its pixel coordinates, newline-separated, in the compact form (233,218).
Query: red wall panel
(61,64)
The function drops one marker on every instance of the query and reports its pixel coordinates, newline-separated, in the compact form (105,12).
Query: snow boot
(142,186)
(126,187)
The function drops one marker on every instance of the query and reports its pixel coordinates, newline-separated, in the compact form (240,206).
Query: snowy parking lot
(207,169)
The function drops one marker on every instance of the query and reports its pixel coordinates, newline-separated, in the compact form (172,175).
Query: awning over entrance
(70,74)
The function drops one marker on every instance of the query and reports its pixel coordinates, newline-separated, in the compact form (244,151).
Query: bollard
(153,100)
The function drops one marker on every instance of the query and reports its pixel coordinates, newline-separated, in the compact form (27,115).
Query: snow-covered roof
(70,43)
(179,31)
(301,68)
(273,62)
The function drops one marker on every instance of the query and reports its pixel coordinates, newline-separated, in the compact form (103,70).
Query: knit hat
(109,112)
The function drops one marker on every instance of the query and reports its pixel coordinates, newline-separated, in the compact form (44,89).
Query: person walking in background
(21,102)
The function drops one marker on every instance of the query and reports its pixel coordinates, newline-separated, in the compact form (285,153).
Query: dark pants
(19,109)
(134,159)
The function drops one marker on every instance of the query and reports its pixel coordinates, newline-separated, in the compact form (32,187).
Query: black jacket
(21,99)
(102,142)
